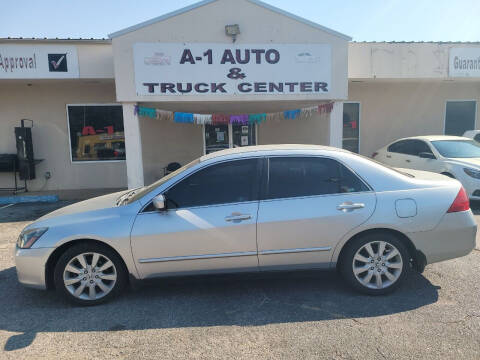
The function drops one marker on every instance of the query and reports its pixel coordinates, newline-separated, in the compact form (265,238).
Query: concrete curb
(4,200)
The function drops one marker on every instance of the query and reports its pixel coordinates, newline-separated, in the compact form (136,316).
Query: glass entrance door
(220,137)
(243,135)
(216,138)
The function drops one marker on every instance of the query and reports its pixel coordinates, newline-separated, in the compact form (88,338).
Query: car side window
(400,147)
(227,182)
(477,138)
(309,176)
(419,146)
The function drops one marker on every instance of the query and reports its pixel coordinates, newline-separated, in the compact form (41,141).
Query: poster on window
(176,69)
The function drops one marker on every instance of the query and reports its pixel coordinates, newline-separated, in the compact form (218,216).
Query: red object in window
(109,129)
(374,154)
(115,153)
(461,202)
(353,124)
(88,130)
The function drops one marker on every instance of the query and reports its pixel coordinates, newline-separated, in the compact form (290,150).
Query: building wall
(45,103)
(383,60)
(392,110)
(315,130)
(164,142)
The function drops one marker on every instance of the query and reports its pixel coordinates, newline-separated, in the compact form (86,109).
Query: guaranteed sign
(171,69)
(464,62)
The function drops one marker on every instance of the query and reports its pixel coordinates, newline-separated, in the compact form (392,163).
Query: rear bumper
(453,237)
(30,265)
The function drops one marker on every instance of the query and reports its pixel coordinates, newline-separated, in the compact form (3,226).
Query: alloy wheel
(90,276)
(377,264)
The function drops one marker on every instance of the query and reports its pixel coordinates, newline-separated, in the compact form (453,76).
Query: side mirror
(426,155)
(160,202)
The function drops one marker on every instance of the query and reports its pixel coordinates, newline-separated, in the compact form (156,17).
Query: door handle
(238,217)
(389,156)
(408,160)
(349,206)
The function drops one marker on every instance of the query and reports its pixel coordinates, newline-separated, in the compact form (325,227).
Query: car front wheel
(375,264)
(89,274)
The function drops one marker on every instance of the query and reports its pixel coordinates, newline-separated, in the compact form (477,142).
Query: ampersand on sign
(235,74)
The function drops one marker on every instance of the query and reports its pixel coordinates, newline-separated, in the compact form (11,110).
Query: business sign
(38,62)
(171,69)
(464,62)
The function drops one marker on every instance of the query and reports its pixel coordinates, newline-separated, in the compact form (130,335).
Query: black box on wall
(23,138)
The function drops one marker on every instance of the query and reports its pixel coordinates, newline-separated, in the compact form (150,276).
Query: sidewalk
(52,195)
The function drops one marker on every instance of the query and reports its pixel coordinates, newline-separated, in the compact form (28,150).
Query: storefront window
(351,126)
(96,132)
(220,137)
(459,117)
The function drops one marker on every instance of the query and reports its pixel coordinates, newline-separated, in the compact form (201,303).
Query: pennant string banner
(238,119)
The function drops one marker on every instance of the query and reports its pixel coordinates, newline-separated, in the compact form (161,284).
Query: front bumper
(30,264)
(471,185)
(453,237)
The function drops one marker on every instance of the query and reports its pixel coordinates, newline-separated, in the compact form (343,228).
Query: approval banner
(38,62)
(172,69)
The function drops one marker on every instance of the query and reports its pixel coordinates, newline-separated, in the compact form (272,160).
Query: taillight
(461,202)
(374,154)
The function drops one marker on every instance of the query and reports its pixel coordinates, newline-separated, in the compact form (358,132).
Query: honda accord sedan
(253,209)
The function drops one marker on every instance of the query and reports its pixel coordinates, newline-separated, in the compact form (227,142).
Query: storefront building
(220,74)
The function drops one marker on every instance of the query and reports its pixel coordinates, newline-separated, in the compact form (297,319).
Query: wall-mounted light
(232,31)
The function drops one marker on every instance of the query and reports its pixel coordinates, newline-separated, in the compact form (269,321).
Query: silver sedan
(253,209)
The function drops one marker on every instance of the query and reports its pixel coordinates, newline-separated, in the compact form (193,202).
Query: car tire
(80,283)
(361,270)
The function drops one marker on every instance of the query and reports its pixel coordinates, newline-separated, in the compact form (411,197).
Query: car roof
(269,148)
(434,138)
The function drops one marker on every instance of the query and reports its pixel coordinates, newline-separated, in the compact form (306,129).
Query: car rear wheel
(375,264)
(89,274)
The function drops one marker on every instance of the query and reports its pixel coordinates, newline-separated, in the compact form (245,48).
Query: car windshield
(136,194)
(457,148)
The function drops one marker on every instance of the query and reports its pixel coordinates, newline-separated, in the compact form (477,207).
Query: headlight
(472,172)
(28,238)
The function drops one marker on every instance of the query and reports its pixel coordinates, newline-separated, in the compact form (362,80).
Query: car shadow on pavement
(29,211)
(241,300)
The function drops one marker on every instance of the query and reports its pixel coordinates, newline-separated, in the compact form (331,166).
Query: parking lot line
(6,206)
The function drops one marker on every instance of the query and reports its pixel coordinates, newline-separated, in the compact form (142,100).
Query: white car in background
(473,134)
(453,156)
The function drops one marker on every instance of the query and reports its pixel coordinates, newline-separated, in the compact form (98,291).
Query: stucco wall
(392,110)
(164,142)
(207,24)
(45,103)
(315,130)
(383,60)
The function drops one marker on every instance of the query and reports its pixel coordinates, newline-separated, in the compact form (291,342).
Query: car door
(209,224)
(308,205)
(399,154)
(415,148)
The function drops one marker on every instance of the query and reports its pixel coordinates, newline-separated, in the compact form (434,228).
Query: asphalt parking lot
(435,315)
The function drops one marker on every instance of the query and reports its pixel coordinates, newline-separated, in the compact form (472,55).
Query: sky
(363,20)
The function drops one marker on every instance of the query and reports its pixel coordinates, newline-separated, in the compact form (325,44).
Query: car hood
(101,202)
(475,162)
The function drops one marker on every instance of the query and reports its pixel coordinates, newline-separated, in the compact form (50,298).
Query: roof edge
(55,40)
(160,18)
(301,19)
(206,2)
